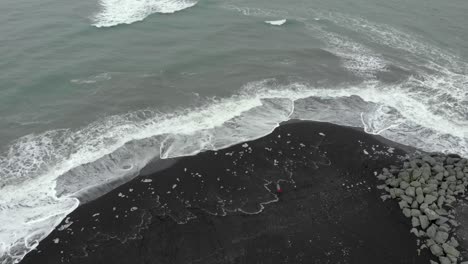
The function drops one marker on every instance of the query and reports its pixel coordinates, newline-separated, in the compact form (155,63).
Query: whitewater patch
(356,57)
(116,12)
(434,70)
(276,22)
(52,168)
(440,71)
(93,79)
(42,175)
(415,47)
(116,147)
(256,12)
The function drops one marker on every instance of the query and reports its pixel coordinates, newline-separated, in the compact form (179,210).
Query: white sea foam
(418,50)
(40,175)
(276,22)
(34,163)
(439,72)
(256,12)
(356,57)
(93,79)
(97,154)
(116,12)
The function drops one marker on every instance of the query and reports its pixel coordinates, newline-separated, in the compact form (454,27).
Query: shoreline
(89,194)
(223,201)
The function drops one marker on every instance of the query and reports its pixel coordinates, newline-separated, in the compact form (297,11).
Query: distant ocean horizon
(92,91)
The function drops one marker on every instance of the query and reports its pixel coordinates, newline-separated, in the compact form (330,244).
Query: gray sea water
(91,91)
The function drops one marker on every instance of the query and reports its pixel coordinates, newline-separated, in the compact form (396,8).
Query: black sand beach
(224,207)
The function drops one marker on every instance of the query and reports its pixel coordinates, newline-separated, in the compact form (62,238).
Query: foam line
(116,12)
(41,174)
(276,22)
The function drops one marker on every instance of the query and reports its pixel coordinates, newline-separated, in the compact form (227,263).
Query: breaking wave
(428,110)
(116,12)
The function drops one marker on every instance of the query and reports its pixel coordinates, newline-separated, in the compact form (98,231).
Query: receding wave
(52,168)
(428,110)
(116,12)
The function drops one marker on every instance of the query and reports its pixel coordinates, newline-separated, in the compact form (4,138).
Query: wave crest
(427,110)
(116,12)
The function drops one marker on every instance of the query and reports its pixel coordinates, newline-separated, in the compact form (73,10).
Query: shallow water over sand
(92,91)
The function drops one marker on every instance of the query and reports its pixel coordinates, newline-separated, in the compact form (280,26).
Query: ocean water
(91,91)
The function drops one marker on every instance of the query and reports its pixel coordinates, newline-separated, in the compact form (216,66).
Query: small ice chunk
(276,22)
(385,197)
(65,226)
(56,241)
(322,134)
(133,209)
(365,152)
(146,180)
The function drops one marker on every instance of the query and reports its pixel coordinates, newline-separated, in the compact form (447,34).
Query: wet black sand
(223,207)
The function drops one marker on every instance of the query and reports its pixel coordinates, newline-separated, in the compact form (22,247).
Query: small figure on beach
(279,190)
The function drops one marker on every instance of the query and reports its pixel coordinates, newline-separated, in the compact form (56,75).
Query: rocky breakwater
(427,189)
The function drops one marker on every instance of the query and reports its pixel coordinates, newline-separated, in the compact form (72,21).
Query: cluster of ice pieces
(426,188)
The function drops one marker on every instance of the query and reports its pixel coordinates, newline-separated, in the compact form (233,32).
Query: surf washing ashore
(226,207)
(307,191)
(161,122)
(123,161)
